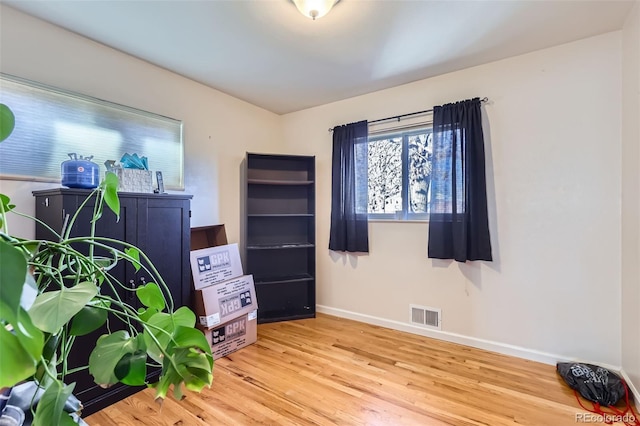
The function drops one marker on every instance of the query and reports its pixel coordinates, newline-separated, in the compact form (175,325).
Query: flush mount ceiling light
(314,8)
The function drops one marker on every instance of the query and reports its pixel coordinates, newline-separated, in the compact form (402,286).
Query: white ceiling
(267,53)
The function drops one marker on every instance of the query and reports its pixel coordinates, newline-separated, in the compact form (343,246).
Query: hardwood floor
(334,371)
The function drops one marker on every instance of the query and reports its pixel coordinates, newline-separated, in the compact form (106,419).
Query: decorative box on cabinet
(157,224)
(280,234)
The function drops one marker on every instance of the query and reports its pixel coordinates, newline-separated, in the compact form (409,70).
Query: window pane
(420,150)
(51,123)
(385,175)
(449,161)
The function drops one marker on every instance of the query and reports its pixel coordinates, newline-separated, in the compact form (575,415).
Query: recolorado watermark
(605,418)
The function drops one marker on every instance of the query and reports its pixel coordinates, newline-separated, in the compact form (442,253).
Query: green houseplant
(53,291)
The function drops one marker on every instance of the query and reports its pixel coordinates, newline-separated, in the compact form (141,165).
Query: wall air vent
(425,316)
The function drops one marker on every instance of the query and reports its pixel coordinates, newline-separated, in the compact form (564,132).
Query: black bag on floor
(597,384)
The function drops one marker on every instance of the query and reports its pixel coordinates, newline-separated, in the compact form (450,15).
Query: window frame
(405,134)
(68,98)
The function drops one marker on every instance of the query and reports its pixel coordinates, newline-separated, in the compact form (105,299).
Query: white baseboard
(502,348)
(633,389)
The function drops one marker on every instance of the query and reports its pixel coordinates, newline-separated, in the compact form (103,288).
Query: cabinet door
(159,226)
(108,226)
(164,235)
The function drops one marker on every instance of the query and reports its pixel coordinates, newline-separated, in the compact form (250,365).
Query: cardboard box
(213,265)
(208,236)
(221,302)
(232,335)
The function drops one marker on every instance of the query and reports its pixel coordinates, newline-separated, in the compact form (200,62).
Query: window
(399,171)
(50,123)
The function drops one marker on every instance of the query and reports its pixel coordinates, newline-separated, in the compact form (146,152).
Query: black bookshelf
(280,248)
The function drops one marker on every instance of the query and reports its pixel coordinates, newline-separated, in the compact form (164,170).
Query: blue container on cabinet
(79,172)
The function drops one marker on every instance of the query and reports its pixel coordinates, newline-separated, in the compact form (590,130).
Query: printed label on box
(227,338)
(231,330)
(215,264)
(252,315)
(210,320)
(217,336)
(224,301)
(234,303)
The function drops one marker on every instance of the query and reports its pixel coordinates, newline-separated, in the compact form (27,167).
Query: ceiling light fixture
(314,8)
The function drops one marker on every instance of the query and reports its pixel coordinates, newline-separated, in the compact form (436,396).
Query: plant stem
(38,221)
(67,231)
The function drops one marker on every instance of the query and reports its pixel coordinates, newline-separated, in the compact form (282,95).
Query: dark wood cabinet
(159,225)
(279,237)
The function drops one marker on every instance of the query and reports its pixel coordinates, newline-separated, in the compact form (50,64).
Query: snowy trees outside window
(399,170)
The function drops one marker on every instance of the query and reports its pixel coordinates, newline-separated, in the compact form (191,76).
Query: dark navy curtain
(349,225)
(458,220)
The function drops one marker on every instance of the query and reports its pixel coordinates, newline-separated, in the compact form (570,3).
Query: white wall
(218,128)
(631,197)
(553,134)
(552,130)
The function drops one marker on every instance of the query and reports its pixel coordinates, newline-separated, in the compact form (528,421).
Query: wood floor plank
(334,371)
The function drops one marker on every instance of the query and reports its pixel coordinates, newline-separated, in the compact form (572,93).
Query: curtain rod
(398,117)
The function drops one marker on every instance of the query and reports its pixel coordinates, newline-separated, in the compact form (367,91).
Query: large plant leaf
(187,337)
(32,247)
(135,254)
(50,409)
(29,336)
(51,345)
(199,363)
(90,317)
(5,206)
(109,350)
(145,314)
(30,341)
(132,368)
(20,349)
(151,296)
(12,278)
(17,364)
(166,323)
(110,191)
(189,363)
(49,353)
(194,370)
(6,203)
(7,122)
(53,309)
